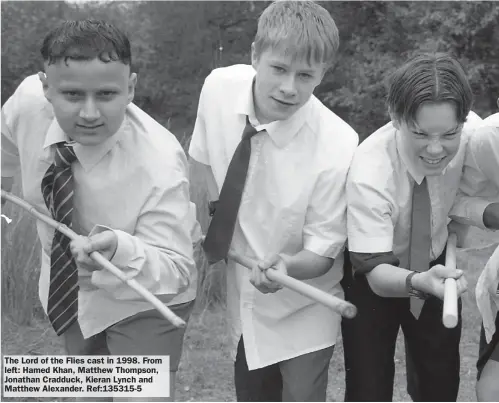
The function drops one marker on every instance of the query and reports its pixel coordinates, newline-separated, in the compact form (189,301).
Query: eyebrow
(454,129)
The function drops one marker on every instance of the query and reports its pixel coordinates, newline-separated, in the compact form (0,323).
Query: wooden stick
(344,308)
(98,258)
(449,315)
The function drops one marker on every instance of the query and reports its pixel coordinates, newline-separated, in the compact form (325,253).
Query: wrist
(287,260)
(416,285)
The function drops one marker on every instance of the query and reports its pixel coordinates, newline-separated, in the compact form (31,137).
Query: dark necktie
(57,190)
(420,241)
(221,230)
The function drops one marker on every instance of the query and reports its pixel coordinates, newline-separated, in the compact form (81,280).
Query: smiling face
(283,83)
(89,98)
(433,139)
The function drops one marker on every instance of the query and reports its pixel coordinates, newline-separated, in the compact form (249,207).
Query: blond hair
(304,28)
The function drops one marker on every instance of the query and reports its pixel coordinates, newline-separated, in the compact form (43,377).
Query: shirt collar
(281,131)
(88,156)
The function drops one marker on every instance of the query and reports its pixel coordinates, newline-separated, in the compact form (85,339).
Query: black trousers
(369,341)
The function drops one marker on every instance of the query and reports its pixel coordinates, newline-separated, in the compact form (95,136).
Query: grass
(206,370)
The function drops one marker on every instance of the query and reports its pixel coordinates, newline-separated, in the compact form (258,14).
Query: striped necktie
(57,190)
(420,241)
(219,235)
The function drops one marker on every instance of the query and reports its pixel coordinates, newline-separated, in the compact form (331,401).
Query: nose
(434,147)
(288,85)
(90,111)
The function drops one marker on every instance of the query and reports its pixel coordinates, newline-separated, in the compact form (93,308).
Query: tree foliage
(176,44)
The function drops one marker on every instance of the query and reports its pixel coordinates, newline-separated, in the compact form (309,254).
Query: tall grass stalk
(20,263)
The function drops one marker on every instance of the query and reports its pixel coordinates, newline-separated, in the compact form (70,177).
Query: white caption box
(86,376)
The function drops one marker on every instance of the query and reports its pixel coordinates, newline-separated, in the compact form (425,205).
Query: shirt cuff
(363,244)
(124,249)
(322,247)
(363,263)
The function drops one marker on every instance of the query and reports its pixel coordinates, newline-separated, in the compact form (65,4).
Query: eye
(278,69)
(107,94)
(450,135)
(71,93)
(305,76)
(420,134)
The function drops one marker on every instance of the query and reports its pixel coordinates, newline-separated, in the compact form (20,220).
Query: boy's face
(282,85)
(89,97)
(434,139)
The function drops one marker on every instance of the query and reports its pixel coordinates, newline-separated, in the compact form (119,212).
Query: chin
(88,139)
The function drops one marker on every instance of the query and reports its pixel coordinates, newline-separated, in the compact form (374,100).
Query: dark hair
(86,40)
(431,78)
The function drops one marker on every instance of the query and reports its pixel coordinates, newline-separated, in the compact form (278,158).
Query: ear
(254,58)
(132,82)
(45,84)
(498,102)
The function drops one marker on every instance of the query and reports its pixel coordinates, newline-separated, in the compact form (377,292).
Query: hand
(433,281)
(105,243)
(259,278)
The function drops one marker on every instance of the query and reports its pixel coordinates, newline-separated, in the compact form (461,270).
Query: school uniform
(293,200)
(134,183)
(380,189)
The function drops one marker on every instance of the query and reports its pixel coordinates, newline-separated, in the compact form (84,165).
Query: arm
(390,281)
(480,182)
(159,252)
(198,149)
(324,230)
(491,216)
(370,231)
(306,264)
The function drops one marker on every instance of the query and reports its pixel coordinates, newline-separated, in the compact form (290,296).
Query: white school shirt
(481,180)
(379,194)
(136,183)
(293,200)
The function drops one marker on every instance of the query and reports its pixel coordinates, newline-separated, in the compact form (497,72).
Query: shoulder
(492,120)
(484,138)
(28,100)
(375,157)
(235,75)
(335,137)
(152,146)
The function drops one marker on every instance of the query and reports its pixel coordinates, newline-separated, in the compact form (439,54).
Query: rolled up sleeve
(363,263)
(325,230)
(370,227)
(159,254)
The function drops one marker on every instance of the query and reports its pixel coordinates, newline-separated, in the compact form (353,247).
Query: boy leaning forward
(276,159)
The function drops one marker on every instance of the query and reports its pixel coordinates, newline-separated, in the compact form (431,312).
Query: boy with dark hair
(97,163)
(401,186)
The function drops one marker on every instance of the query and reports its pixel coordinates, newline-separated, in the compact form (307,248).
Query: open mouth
(432,161)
